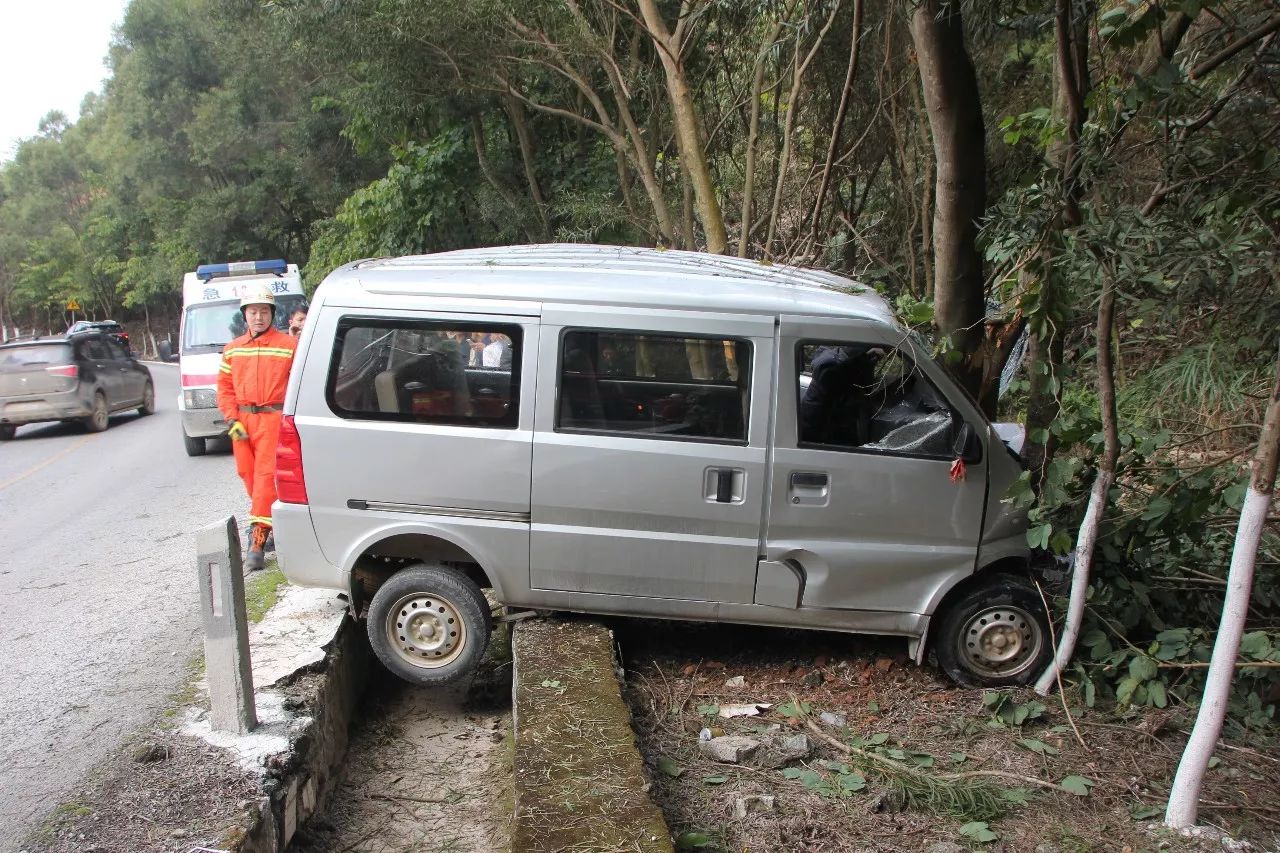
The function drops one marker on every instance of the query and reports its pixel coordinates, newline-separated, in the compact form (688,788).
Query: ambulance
(211,318)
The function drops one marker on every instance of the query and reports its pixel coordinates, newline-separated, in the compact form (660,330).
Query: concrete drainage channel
(457,769)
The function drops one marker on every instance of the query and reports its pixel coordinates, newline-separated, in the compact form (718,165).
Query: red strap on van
(957,471)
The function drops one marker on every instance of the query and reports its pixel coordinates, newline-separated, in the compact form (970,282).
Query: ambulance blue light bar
(204,272)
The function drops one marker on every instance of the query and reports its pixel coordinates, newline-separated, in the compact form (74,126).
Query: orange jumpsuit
(251,384)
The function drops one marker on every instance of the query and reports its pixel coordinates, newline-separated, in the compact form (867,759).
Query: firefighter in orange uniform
(251,384)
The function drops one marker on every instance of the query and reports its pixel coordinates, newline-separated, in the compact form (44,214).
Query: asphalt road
(97,580)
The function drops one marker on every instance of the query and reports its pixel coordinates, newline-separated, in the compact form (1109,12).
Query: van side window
(654,385)
(426,372)
(870,398)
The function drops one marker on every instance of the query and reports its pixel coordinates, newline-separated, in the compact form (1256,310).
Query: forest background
(997,170)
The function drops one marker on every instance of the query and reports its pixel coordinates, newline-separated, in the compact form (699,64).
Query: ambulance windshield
(210,326)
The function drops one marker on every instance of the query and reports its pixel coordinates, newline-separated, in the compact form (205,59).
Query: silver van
(643,433)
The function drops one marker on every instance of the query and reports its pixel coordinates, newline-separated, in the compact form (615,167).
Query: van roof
(637,277)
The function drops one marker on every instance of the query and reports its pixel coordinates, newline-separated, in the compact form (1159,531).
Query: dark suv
(83,376)
(108,327)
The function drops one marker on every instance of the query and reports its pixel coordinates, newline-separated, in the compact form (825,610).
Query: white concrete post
(226,628)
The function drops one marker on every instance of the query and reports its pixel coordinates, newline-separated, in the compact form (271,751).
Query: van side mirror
(967,445)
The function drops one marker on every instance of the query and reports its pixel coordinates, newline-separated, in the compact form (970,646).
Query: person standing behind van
(297,320)
(251,384)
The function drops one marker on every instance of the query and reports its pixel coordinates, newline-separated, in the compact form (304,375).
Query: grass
(262,591)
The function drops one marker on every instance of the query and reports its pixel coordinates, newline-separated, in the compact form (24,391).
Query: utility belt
(257,410)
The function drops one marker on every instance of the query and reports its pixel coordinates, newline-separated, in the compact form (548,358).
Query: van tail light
(291,482)
(71,371)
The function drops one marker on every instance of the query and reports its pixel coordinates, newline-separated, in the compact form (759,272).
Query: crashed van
(646,433)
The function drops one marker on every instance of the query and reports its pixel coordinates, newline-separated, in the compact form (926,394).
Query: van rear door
(650,452)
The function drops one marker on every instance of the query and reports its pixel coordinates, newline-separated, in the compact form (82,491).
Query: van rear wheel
(995,636)
(429,625)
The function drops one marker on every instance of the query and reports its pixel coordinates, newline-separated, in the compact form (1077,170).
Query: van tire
(996,635)
(429,625)
(7,431)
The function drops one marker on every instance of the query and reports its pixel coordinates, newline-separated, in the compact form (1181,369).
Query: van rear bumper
(295,536)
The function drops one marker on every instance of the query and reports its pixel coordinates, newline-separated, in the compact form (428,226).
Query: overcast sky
(54,53)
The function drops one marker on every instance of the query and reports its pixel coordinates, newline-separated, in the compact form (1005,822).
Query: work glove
(237,431)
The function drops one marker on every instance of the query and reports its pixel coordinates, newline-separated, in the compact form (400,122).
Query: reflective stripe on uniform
(256,351)
(258,519)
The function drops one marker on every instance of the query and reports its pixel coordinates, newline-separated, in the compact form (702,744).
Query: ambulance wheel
(995,636)
(429,625)
(194,446)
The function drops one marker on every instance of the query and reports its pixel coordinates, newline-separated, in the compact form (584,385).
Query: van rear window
(654,385)
(426,372)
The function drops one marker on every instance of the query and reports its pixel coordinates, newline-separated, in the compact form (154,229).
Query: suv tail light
(291,482)
(69,370)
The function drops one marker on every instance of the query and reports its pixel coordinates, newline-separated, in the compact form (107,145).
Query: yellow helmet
(258,294)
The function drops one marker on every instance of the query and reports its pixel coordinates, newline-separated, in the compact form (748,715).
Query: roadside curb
(332,672)
(579,778)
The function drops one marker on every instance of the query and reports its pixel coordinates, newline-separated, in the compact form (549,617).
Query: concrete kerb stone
(297,750)
(579,778)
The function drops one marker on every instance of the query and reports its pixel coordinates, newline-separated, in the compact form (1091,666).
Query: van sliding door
(649,466)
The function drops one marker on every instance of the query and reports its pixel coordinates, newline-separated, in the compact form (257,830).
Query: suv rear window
(654,385)
(18,357)
(465,374)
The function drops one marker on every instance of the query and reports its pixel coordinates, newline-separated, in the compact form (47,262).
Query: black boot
(254,559)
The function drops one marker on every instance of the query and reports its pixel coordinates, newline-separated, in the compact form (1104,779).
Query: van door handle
(724,485)
(809,488)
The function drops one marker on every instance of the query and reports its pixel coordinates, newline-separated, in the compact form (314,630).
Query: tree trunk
(515,111)
(693,155)
(1045,350)
(954,108)
(1088,535)
(753,132)
(837,125)
(1185,794)
(798,69)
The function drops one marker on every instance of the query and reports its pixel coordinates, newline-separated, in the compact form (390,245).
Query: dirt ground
(937,766)
(427,771)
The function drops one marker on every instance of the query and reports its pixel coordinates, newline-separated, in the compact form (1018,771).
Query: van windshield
(210,326)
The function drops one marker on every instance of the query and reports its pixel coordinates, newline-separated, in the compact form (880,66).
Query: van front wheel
(995,636)
(429,625)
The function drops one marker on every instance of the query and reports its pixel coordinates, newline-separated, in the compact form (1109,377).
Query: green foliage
(1006,711)
(837,781)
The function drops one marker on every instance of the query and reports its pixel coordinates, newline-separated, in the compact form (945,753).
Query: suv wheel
(148,406)
(7,431)
(99,417)
(194,446)
(995,636)
(429,625)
